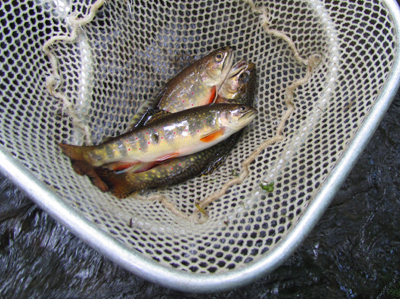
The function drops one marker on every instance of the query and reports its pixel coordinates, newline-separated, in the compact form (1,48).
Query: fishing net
(77,72)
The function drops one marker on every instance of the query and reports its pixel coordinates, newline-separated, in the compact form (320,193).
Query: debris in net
(267,187)
(204,212)
(311,62)
(234,172)
(53,82)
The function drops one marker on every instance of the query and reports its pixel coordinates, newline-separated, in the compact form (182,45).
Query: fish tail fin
(84,168)
(74,152)
(81,166)
(120,184)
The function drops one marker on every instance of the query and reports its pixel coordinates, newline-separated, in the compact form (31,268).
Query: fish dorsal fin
(158,115)
(212,135)
(146,109)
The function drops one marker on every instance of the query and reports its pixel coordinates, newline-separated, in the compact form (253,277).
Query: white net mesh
(114,62)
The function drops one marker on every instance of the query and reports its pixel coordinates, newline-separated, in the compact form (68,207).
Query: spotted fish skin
(238,88)
(175,135)
(180,169)
(166,174)
(240,84)
(195,85)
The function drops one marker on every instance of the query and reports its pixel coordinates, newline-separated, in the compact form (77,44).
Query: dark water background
(353,252)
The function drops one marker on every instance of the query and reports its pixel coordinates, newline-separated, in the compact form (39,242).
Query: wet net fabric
(126,50)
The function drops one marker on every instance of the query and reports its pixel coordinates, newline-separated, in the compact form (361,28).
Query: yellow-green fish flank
(195,85)
(238,87)
(198,84)
(175,135)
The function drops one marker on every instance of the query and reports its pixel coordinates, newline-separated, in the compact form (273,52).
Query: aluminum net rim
(250,265)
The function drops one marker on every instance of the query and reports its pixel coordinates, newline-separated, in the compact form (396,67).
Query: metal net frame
(77,72)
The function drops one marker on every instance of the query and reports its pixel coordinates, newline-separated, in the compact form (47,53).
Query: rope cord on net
(311,63)
(53,81)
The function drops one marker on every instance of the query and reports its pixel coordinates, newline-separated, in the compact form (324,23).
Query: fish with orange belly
(239,88)
(196,85)
(179,134)
(240,85)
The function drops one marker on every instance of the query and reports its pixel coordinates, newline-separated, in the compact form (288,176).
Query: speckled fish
(233,90)
(169,173)
(196,85)
(175,135)
(239,86)
(240,89)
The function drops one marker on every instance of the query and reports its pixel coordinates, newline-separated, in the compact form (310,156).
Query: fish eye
(219,57)
(242,76)
(243,108)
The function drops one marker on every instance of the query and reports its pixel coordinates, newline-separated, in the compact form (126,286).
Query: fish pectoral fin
(140,167)
(213,135)
(120,166)
(212,95)
(168,156)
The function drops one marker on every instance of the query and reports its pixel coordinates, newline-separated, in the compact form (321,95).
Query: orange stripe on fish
(118,166)
(212,95)
(213,136)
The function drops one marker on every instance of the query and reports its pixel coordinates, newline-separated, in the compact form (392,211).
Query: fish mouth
(238,67)
(248,116)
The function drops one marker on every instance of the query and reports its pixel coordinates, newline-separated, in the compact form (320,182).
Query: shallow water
(354,251)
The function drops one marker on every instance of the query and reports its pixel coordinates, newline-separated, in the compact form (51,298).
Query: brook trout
(175,135)
(196,85)
(166,174)
(239,88)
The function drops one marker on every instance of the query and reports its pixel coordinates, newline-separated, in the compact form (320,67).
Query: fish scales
(178,134)
(195,85)
(169,173)
(198,83)
(239,88)
(192,94)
